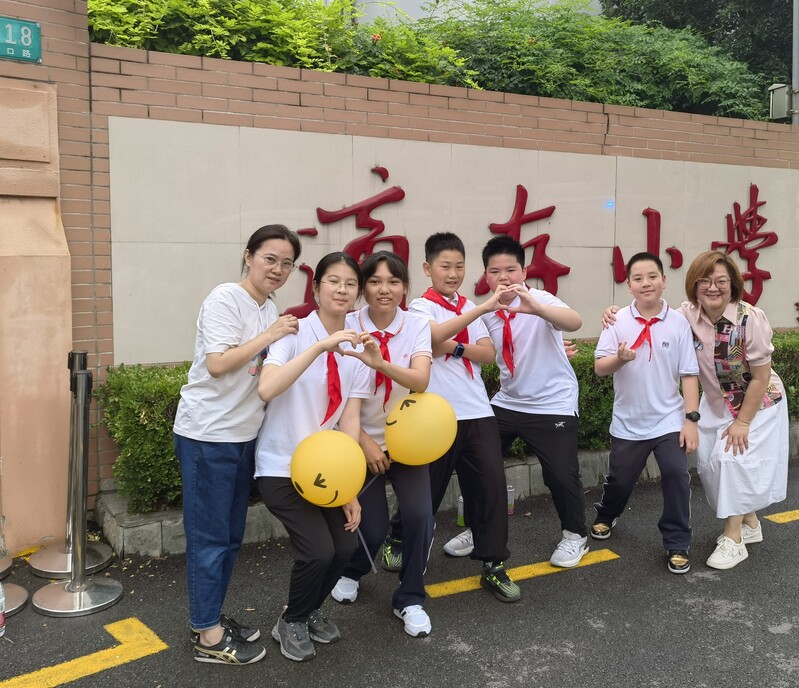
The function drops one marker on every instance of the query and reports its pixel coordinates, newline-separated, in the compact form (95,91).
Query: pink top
(734,361)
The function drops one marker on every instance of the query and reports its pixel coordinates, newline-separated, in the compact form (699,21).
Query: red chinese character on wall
(745,237)
(652,246)
(362,246)
(542,266)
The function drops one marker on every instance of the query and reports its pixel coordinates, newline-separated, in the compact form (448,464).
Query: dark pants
(554,441)
(627,460)
(412,486)
(320,544)
(476,457)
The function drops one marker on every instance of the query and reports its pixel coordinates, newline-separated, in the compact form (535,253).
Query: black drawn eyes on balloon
(406,403)
(319,482)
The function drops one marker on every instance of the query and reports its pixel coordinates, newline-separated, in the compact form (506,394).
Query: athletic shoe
(391,559)
(751,535)
(295,644)
(346,590)
(601,529)
(229,650)
(417,623)
(245,634)
(570,550)
(727,554)
(678,562)
(461,545)
(322,629)
(496,579)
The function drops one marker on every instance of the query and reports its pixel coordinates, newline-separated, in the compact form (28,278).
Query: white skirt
(736,485)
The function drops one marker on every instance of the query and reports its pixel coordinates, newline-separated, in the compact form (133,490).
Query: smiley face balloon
(328,468)
(420,429)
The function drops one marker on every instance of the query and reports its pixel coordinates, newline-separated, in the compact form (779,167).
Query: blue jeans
(217,477)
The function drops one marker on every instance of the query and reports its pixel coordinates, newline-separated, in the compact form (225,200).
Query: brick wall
(98,81)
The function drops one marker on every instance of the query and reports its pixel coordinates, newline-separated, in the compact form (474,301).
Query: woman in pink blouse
(742,458)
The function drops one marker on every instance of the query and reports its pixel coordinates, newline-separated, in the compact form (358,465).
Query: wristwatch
(459,349)
(693,416)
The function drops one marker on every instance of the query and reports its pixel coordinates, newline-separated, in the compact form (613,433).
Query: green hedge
(140,402)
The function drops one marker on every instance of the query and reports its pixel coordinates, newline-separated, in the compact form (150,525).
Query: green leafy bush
(785,360)
(139,406)
(517,46)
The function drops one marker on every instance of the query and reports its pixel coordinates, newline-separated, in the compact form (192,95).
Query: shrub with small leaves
(139,405)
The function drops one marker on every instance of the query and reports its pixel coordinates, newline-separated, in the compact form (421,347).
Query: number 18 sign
(20,40)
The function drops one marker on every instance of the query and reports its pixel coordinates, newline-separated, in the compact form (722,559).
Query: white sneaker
(750,535)
(346,590)
(417,623)
(570,550)
(727,554)
(461,545)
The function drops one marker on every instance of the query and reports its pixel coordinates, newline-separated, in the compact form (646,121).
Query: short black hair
(501,246)
(642,256)
(332,259)
(396,266)
(442,241)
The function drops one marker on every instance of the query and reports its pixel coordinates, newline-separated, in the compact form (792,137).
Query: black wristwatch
(459,349)
(693,416)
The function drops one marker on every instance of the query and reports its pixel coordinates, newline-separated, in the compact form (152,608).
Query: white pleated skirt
(736,485)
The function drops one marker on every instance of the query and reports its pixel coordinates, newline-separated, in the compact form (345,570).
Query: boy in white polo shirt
(537,400)
(460,345)
(649,351)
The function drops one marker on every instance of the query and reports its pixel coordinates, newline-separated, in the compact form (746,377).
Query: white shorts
(736,485)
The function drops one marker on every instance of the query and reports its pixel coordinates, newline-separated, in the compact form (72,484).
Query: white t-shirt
(226,408)
(647,401)
(543,380)
(298,412)
(411,339)
(449,377)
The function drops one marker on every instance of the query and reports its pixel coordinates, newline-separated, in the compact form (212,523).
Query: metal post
(79,596)
(55,561)
(795,67)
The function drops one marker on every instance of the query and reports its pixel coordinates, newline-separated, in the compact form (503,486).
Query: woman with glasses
(215,429)
(311,386)
(742,458)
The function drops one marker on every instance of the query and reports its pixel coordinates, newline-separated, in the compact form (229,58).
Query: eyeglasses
(334,284)
(705,282)
(271,261)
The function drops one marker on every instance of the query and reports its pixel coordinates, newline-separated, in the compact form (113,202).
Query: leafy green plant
(139,406)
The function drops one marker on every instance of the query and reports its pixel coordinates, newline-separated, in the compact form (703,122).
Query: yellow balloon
(328,468)
(420,429)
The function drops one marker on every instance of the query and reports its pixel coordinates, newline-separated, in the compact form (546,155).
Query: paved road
(622,622)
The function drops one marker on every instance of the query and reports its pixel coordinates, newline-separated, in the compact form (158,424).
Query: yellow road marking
(519,573)
(135,641)
(784,517)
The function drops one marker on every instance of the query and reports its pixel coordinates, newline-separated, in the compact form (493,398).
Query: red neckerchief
(380,378)
(507,339)
(462,336)
(333,386)
(645,335)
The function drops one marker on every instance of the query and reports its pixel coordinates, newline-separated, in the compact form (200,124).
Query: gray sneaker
(294,641)
(322,629)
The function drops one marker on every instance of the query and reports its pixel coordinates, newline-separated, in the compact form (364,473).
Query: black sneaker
(322,629)
(391,559)
(496,579)
(601,530)
(295,644)
(229,650)
(678,561)
(245,634)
